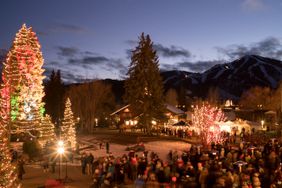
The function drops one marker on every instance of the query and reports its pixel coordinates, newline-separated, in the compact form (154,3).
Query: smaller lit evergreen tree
(72,136)
(68,133)
(47,130)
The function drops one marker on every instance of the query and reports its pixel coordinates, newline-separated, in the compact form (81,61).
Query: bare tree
(91,102)
(257,98)
(276,101)
(171,97)
(213,96)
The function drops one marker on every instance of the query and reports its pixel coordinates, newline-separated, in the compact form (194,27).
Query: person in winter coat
(89,163)
(21,170)
(83,163)
(152,181)
(203,178)
(107,147)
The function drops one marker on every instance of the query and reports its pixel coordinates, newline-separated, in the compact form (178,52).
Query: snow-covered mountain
(231,79)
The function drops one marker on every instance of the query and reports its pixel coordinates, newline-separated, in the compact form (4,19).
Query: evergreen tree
(23,82)
(68,133)
(144,87)
(47,131)
(54,96)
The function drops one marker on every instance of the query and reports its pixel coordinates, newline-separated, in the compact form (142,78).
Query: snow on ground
(89,144)
(160,147)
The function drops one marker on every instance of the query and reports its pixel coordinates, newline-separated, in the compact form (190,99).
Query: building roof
(173,109)
(169,107)
(120,109)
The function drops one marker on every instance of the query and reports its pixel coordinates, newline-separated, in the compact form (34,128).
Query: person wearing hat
(152,181)
(256,181)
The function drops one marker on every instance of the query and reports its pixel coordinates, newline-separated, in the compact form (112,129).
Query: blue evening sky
(89,39)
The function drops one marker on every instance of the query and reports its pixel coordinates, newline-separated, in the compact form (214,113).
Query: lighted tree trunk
(205,119)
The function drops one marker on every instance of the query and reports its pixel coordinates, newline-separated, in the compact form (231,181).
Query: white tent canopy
(237,125)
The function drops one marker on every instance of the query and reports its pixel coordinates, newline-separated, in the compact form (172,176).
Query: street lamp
(60,151)
(67,156)
(60,144)
(262,123)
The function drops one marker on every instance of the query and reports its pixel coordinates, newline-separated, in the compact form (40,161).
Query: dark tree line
(54,96)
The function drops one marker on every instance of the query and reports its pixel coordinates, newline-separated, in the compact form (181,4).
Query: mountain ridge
(232,78)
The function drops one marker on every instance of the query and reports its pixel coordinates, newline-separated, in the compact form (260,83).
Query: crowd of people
(234,163)
(228,165)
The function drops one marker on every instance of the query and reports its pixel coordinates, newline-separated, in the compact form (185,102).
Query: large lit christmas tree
(23,86)
(68,133)
(205,119)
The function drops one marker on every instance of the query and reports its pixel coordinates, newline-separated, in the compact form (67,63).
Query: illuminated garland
(42,110)
(14,107)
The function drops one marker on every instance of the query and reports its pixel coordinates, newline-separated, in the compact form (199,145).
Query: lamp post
(59,127)
(66,177)
(77,120)
(68,152)
(96,121)
(60,151)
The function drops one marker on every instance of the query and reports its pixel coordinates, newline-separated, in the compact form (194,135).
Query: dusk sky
(88,39)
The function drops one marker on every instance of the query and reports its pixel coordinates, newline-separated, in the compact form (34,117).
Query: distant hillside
(231,79)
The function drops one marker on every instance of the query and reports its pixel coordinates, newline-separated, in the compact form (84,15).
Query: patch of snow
(160,147)
(194,81)
(174,109)
(204,77)
(269,78)
(219,73)
(242,64)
